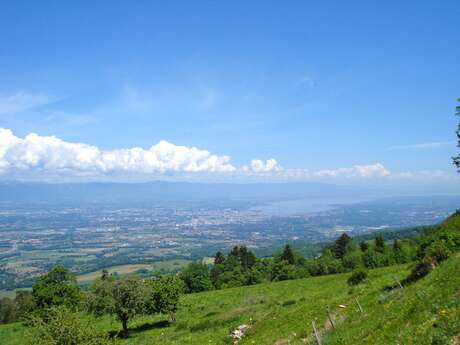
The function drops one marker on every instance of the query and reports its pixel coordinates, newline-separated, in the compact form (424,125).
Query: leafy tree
(196,278)
(105,274)
(122,298)
(215,274)
(219,258)
(7,310)
(255,275)
(340,246)
(234,278)
(100,300)
(352,259)
(62,327)
(282,270)
(235,252)
(379,243)
(397,247)
(247,258)
(163,295)
(363,245)
(128,296)
(57,287)
(288,255)
(24,303)
(456,159)
(370,259)
(231,263)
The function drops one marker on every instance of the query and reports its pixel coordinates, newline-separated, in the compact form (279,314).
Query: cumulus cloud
(356,171)
(259,166)
(22,101)
(36,156)
(49,153)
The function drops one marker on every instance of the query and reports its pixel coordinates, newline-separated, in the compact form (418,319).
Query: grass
(274,310)
(426,312)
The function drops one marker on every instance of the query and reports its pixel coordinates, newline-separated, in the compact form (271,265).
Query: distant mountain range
(173,192)
(15,192)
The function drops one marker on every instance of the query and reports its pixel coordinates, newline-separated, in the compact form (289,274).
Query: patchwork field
(128,269)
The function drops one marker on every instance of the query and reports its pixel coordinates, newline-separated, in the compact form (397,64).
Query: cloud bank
(49,153)
(36,156)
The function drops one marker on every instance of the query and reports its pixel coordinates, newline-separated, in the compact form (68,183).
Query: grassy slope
(427,312)
(276,311)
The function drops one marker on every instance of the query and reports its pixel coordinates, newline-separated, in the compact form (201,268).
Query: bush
(421,270)
(438,251)
(63,327)
(196,278)
(55,288)
(357,277)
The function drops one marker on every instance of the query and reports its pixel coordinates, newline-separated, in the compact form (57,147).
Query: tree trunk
(124,323)
(173,316)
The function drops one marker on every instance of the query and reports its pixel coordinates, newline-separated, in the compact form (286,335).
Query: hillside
(426,312)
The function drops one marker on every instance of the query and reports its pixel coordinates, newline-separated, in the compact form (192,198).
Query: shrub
(357,277)
(196,278)
(438,251)
(55,288)
(63,327)
(421,270)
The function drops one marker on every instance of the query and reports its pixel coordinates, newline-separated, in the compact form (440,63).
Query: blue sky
(318,87)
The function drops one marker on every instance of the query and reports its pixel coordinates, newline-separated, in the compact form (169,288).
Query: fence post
(330,317)
(397,281)
(359,305)
(317,336)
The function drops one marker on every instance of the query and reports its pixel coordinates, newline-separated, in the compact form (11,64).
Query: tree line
(241,267)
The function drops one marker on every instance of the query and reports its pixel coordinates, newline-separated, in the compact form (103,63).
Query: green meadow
(426,312)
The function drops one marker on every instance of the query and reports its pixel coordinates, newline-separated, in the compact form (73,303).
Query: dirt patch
(455,340)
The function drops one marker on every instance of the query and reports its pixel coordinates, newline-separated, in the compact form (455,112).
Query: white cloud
(21,101)
(51,154)
(372,170)
(259,166)
(36,156)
